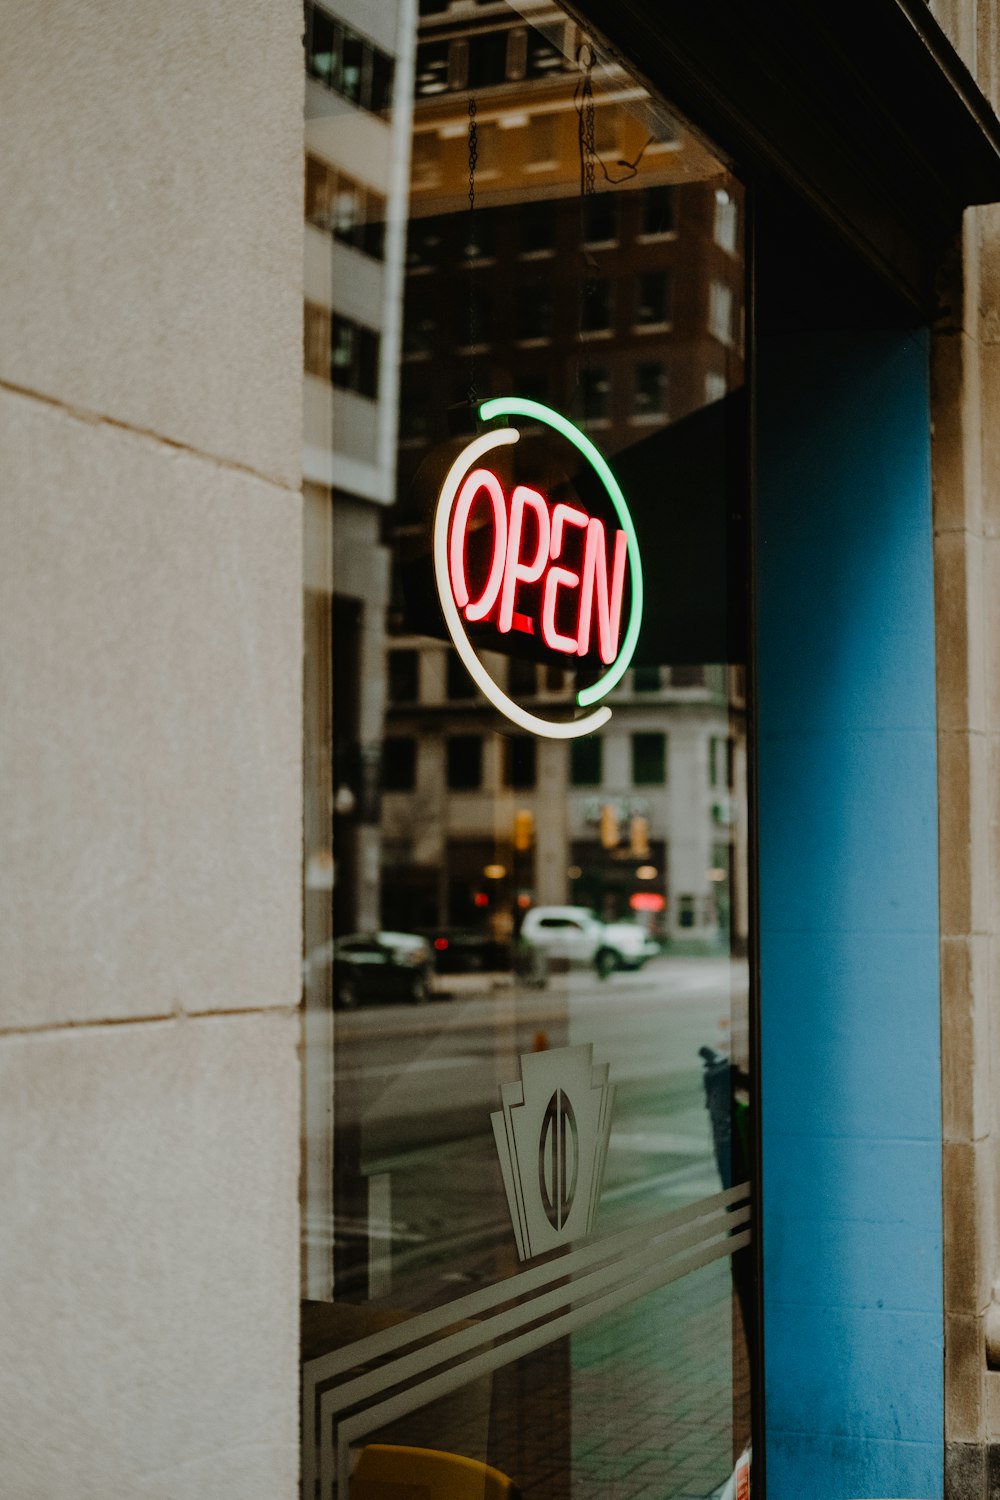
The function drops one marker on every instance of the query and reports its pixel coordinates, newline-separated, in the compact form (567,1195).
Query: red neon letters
(526,554)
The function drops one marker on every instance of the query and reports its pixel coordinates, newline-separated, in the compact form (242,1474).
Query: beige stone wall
(150,595)
(966,458)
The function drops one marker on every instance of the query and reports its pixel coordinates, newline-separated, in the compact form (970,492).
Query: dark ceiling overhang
(859,109)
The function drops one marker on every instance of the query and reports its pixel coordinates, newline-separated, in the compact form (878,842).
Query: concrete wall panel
(150,753)
(150,1255)
(151,179)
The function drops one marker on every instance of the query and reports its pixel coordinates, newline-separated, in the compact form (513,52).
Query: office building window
(458,683)
(597,308)
(645,679)
(653,305)
(404,676)
(600,219)
(346,62)
(595,392)
(354,356)
(688,676)
(519,761)
(352,213)
(535,313)
(649,397)
(649,759)
(465,762)
(399,763)
(537,228)
(658,210)
(522,678)
(726,220)
(720,312)
(586,761)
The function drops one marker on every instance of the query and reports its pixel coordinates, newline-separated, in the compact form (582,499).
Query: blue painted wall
(853,1320)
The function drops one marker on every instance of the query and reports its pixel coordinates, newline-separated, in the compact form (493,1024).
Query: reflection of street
(421,1084)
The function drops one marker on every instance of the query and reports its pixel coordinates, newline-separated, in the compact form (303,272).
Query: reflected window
(586,761)
(658,210)
(649,759)
(600,219)
(653,297)
(519,761)
(537,227)
(404,673)
(522,678)
(346,62)
(465,762)
(649,395)
(399,763)
(458,683)
(535,313)
(720,312)
(595,391)
(354,356)
(596,312)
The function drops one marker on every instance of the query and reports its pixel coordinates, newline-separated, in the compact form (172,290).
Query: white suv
(578,935)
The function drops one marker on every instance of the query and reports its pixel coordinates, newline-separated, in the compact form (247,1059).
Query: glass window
(586,761)
(519,759)
(522,678)
(597,306)
(653,303)
(595,389)
(458,683)
(535,312)
(658,205)
(720,312)
(649,397)
(465,762)
(404,668)
(649,759)
(600,219)
(646,679)
(399,763)
(537,227)
(576,909)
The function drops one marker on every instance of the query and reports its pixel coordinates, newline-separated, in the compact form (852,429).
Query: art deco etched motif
(552,1138)
(580,606)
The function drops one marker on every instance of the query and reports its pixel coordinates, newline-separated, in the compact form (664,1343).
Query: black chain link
(588,160)
(473,159)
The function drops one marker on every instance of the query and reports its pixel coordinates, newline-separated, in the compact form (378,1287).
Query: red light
(510,567)
(480,899)
(479,479)
(516,569)
(524,902)
(440,944)
(646,901)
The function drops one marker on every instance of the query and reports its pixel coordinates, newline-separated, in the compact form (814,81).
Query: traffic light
(524,829)
(610,833)
(638,834)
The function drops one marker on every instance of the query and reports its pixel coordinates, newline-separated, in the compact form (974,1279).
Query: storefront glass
(526,1134)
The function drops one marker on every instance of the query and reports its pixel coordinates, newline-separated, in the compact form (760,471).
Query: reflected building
(599,270)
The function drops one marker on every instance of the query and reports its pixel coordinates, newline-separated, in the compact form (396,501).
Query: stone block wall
(966,482)
(150,593)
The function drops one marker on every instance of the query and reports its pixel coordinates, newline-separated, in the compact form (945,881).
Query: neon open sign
(568,562)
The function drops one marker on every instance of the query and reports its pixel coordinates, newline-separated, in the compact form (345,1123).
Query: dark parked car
(369,967)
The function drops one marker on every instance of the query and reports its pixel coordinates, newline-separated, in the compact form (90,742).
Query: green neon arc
(520,406)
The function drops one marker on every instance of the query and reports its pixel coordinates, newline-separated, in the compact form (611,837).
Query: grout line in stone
(55,1028)
(101,419)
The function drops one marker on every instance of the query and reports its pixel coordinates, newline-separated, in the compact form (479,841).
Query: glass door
(526,1256)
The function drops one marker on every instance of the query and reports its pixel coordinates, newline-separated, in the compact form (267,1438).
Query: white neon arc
(570,729)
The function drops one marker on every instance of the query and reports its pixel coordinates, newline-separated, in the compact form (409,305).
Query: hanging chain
(473,159)
(584,99)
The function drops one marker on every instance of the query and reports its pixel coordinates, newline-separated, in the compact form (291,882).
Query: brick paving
(640,1406)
